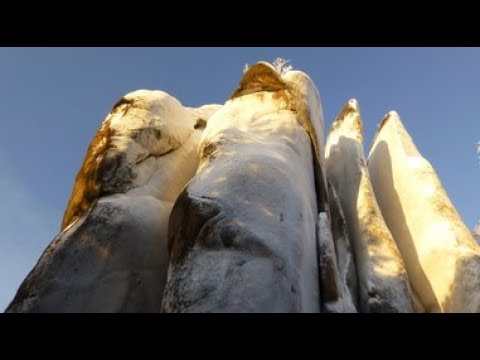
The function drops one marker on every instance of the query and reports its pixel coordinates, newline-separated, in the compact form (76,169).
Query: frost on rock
(441,256)
(382,277)
(111,255)
(242,235)
(281,66)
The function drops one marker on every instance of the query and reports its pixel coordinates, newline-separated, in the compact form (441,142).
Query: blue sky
(52,101)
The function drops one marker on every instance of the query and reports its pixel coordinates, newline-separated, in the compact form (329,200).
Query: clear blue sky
(52,101)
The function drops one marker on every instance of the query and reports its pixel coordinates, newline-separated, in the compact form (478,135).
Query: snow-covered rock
(242,236)
(441,256)
(111,255)
(382,277)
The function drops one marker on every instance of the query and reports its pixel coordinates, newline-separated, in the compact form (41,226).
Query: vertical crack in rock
(336,297)
(383,280)
(343,248)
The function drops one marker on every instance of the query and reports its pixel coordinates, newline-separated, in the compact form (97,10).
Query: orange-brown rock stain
(88,184)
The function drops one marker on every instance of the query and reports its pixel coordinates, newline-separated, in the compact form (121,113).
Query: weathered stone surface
(112,260)
(343,248)
(111,255)
(336,296)
(242,236)
(242,208)
(382,278)
(441,256)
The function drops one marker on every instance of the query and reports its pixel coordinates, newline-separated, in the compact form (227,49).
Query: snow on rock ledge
(441,256)
(382,278)
(111,255)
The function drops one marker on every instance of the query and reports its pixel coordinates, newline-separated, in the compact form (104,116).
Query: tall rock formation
(242,235)
(441,256)
(241,208)
(111,255)
(382,278)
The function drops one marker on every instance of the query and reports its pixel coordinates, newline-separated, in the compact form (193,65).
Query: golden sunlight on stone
(246,207)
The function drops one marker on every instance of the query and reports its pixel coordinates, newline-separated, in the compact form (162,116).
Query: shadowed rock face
(336,295)
(103,263)
(111,255)
(345,262)
(242,235)
(382,278)
(441,256)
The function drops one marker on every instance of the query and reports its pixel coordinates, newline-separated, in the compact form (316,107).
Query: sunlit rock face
(441,256)
(382,278)
(241,207)
(111,255)
(242,236)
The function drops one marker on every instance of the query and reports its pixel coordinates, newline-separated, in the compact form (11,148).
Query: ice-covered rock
(111,255)
(441,256)
(242,236)
(382,277)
